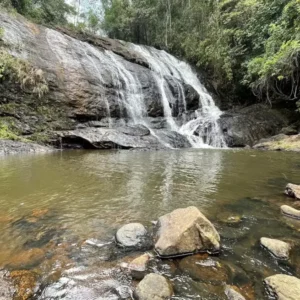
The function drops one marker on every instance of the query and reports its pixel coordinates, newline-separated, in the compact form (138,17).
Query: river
(70,204)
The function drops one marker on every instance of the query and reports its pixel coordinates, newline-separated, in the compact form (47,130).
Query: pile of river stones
(187,232)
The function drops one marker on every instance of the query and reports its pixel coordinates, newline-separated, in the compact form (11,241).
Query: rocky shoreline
(182,243)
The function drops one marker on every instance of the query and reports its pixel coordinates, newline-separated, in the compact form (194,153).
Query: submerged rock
(8,147)
(26,259)
(154,287)
(283,287)
(185,231)
(204,269)
(293,190)
(290,212)
(229,218)
(278,248)
(232,294)
(133,235)
(25,282)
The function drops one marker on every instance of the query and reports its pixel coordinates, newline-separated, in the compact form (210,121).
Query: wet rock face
(154,287)
(283,287)
(249,125)
(185,231)
(122,138)
(82,76)
(278,248)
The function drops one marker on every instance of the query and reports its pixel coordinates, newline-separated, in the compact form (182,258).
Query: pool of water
(52,204)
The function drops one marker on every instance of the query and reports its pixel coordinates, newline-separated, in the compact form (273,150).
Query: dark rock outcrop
(250,124)
(82,72)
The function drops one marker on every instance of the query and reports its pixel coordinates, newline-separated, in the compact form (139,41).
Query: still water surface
(88,195)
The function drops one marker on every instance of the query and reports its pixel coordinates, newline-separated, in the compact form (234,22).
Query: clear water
(88,195)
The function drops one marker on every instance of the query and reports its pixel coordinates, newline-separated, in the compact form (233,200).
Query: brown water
(55,202)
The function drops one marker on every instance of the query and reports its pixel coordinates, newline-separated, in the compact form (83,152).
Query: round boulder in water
(154,287)
(133,235)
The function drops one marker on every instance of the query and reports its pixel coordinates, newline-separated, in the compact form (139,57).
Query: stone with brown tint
(138,266)
(25,283)
(185,231)
(26,259)
(205,269)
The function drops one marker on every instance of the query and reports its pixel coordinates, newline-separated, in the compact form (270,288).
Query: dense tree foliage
(242,44)
(43,11)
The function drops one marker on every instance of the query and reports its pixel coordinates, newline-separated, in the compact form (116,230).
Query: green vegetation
(15,69)
(7,134)
(47,12)
(243,45)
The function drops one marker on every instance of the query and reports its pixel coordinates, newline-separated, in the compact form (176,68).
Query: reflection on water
(66,198)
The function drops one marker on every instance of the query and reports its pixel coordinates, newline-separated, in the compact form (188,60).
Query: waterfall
(206,121)
(134,100)
(201,131)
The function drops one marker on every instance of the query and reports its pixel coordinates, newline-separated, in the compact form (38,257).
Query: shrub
(29,78)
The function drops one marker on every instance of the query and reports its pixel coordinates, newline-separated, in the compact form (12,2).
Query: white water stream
(202,131)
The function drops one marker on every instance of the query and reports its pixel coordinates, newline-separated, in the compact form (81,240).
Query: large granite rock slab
(185,231)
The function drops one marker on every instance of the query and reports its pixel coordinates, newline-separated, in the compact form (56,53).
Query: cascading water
(206,121)
(201,131)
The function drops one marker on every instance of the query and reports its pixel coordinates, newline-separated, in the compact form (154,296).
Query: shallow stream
(59,213)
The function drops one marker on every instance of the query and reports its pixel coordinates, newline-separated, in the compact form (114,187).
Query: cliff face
(97,85)
(83,80)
